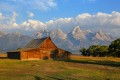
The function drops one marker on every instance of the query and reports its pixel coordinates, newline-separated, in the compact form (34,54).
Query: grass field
(78,68)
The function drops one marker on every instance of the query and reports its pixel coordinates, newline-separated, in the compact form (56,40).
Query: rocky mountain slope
(13,41)
(77,38)
(71,41)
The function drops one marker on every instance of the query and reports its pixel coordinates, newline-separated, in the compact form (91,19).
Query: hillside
(12,41)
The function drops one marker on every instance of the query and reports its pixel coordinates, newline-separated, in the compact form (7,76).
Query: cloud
(63,23)
(16,5)
(30,14)
(8,22)
(14,17)
(109,23)
(1,16)
(33,25)
(100,19)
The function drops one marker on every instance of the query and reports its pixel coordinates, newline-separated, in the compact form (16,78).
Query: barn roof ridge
(35,43)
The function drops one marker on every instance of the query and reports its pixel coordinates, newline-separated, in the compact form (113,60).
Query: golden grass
(79,57)
(78,68)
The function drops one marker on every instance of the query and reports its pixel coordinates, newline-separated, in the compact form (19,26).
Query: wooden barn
(39,49)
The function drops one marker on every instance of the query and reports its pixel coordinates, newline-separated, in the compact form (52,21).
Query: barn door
(54,54)
(45,55)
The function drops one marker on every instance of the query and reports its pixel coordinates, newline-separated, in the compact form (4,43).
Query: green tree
(93,50)
(83,51)
(102,51)
(114,48)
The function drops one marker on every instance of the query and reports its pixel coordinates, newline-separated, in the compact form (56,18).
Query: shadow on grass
(54,78)
(98,62)
(37,78)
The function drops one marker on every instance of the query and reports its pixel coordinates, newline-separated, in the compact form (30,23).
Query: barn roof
(31,45)
(35,43)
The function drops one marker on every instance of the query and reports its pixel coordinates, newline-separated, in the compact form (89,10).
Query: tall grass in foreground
(78,68)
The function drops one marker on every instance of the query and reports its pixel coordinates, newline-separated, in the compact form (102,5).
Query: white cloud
(8,22)
(44,4)
(109,23)
(14,17)
(30,14)
(33,25)
(1,16)
(14,5)
(63,23)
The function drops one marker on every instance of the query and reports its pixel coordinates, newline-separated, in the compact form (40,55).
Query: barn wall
(30,55)
(46,54)
(64,54)
(37,54)
(43,54)
(46,50)
(48,44)
(24,55)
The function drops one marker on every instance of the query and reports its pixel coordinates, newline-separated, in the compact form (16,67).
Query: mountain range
(12,41)
(76,39)
(72,41)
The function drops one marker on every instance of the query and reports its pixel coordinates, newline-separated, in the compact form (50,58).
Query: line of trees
(101,51)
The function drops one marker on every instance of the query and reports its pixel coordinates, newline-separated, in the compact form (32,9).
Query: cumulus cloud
(33,25)
(8,22)
(63,23)
(30,14)
(109,23)
(99,20)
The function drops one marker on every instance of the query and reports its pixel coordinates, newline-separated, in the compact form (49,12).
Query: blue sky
(29,15)
(60,8)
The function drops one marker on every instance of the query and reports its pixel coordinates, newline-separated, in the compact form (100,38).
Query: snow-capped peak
(58,34)
(41,34)
(102,36)
(78,33)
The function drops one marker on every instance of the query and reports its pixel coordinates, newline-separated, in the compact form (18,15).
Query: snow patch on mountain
(41,34)
(58,34)
(102,36)
(78,33)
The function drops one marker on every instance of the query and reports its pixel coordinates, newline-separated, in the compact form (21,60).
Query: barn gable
(41,43)
(47,43)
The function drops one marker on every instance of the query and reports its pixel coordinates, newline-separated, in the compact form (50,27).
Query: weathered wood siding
(47,44)
(46,50)
(36,54)
(64,54)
